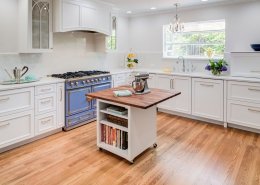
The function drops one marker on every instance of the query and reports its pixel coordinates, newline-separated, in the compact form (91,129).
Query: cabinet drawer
(16,100)
(45,89)
(16,127)
(244,91)
(45,103)
(244,114)
(45,123)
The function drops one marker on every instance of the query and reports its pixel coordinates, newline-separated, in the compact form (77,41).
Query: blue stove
(79,111)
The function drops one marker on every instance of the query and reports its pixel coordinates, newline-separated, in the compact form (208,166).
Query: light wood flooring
(189,152)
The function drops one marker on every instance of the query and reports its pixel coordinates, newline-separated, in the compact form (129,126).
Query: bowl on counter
(255,47)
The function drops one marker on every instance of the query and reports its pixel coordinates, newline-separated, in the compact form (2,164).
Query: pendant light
(177,26)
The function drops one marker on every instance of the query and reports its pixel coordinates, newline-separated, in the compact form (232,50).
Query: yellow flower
(131,55)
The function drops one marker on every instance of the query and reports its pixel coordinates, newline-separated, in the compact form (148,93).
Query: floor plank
(188,152)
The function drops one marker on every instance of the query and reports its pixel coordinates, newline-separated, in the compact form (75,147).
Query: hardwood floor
(189,152)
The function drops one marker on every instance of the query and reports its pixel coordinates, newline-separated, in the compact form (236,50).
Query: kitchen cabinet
(182,103)
(35,26)
(121,79)
(35,110)
(208,98)
(60,105)
(243,104)
(79,15)
(165,82)
(151,81)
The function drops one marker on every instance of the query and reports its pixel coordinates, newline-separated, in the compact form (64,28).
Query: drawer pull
(46,121)
(254,110)
(207,85)
(255,71)
(4,99)
(250,89)
(46,102)
(44,90)
(4,124)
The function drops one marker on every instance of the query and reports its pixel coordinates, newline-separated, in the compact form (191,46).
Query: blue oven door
(99,87)
(76,101)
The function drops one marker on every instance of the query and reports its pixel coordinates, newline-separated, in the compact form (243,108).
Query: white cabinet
(70,15)
(45,103)
(208,98)
(35,26)
(60,105)
(16,127)
(121,79)
(85,15)
(182,103)
(45,122)
(243,104)
(152,81)
(165,82)
(16,101)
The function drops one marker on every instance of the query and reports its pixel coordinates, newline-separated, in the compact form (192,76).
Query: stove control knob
(96,80)
(77,83)
(104,79)
(84,82)
(71,83)
(88,81)
(92,80)
(100,79)
(108,78)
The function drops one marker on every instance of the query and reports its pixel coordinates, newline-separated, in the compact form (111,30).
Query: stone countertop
(194,75)
(42,81)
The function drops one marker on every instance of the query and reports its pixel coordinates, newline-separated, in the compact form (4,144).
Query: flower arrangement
(131,60)
(216,66)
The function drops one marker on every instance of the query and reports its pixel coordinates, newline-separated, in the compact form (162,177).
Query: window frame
(110,36)
(190,56)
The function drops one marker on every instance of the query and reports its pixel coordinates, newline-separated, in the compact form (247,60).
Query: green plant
(217,66)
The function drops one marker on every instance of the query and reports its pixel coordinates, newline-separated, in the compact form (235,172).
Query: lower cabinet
(45,114)
(16,127)
(45,123)
(208,98)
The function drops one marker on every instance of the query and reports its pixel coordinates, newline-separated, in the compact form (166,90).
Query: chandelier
(177,26)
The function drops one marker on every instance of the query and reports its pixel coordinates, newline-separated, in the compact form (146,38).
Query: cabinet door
(60,105)
(207,98)
(152,81)
(88,17)
(164,82)
(71,15)
(41,24)
(16,127)
(182,102)
(104,20)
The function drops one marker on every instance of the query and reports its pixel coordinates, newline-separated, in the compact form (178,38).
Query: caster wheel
(155,145)
(100,149)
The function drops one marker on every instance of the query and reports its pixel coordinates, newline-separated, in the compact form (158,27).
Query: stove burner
(79,74)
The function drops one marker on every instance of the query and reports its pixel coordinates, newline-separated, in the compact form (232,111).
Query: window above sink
(195,40)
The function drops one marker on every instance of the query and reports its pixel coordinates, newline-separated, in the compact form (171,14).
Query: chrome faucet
(183,63)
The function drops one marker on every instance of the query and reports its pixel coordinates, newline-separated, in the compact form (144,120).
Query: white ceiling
(140,6)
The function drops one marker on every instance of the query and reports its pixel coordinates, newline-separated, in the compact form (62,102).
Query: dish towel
(122,93)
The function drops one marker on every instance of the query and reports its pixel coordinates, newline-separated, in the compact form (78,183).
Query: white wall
(242,29)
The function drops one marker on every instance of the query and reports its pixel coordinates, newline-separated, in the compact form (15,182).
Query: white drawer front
(45,103)
(16,127)
(244,114)
(45,123)
(45,89)
(244,91)
(16,100)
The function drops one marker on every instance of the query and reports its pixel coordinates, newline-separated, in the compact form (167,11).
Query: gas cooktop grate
(79,74)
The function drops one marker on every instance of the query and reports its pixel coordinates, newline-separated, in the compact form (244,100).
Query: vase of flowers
(217,66)
(131,60)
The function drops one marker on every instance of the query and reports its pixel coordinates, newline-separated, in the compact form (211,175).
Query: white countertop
(194,75)
(42,81)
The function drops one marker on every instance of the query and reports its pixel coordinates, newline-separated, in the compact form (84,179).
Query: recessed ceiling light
(129,12)
(153,8)
(204,0)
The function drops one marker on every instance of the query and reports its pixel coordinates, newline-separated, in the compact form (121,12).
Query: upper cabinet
(82,15)
(35,26)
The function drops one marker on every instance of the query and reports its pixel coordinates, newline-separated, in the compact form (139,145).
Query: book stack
(114,137)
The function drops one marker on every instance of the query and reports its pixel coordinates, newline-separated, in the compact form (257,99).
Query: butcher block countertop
(140,101)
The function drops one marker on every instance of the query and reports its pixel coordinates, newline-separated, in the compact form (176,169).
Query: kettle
(19,73)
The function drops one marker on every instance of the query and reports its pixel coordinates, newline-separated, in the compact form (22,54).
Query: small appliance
(140,84)
(78,110)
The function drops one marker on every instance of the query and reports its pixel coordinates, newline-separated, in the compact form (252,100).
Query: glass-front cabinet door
(41,24)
